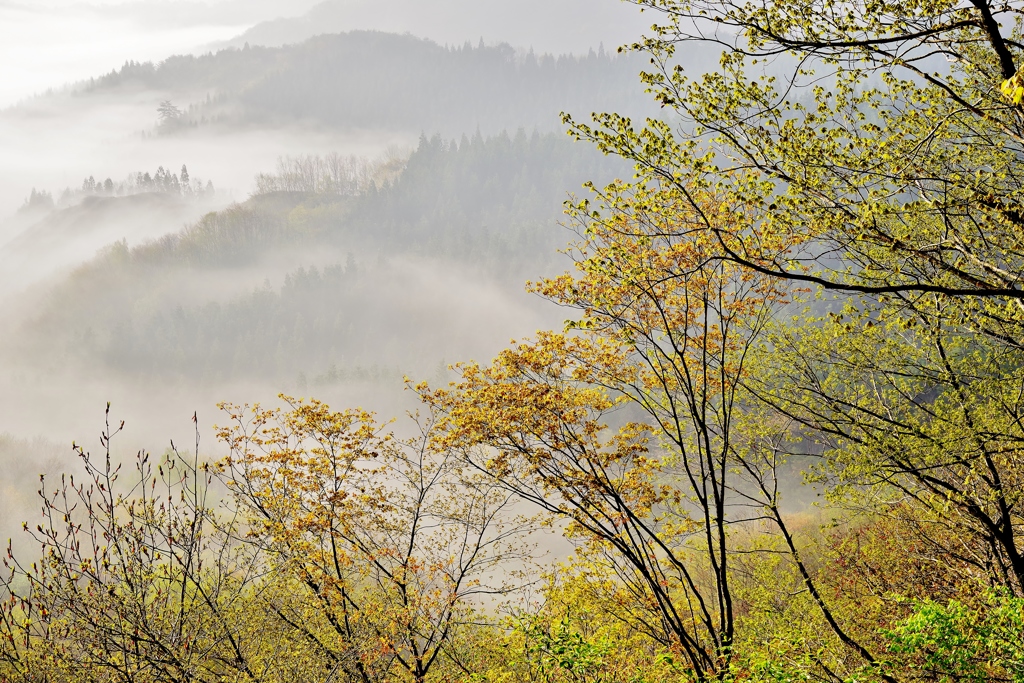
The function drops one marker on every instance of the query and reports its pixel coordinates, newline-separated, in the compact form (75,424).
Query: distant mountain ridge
(375,80)
(556,26)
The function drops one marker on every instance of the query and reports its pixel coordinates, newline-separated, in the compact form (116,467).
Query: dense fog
(206,201)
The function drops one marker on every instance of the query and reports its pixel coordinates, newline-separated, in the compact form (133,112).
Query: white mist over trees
(112,264)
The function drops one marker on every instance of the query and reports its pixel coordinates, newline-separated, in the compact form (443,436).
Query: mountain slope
(64,238)
(288,284)
(557,26)
(367,79)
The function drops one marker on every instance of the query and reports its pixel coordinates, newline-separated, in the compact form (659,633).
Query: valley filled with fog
(224,201)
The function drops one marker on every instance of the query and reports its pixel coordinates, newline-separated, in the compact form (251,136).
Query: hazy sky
(46,43)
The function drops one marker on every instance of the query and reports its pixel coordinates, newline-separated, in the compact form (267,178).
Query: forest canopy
(482,203)
(367,79)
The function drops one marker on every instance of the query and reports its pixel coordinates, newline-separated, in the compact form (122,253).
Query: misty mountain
(340,286)
(429,265)
(557,26)
(47,240)
(373,80)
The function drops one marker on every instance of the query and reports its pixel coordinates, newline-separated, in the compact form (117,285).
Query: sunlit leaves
(390,545)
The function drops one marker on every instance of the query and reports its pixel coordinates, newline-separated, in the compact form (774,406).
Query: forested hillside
(377,80)
(48,235)
(295,283)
